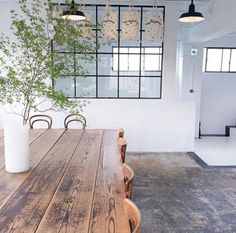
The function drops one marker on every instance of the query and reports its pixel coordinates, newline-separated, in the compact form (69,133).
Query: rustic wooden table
(75,184)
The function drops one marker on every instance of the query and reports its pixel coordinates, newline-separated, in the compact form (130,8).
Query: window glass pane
(68,60)
(233,61)
(107,65)
(152,63)
(134,50)
(65,85)
(225,61)
(129,87)
(150,87)
(106,47)
(152,50)
(214,59)
(124,62)
(86,87)
(87,67)
(115,49)
(124,50)
(107,87)
(151,73)
(115,62)
(134,61)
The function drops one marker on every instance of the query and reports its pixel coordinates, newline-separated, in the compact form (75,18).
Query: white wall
(220,20)
(214,93)
(218,106)
(151,125)
(191,78)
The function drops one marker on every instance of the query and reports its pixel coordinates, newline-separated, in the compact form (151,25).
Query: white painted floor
(216,151)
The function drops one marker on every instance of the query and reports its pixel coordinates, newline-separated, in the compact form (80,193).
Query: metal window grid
(97,75)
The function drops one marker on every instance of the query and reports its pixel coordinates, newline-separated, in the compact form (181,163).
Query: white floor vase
(16,140)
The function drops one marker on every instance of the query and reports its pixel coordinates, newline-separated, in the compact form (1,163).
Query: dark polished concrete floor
(176,195)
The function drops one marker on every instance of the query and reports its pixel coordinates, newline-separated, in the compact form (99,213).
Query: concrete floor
(175,194)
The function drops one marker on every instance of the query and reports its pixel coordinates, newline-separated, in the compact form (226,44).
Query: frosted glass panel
(129,87)
(86,87)
(65,85)
(107,87)
(88,67)
(107,65)
(150,87)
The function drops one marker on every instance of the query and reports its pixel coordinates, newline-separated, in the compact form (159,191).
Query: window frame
(142,54)
(119,75)
(222,52)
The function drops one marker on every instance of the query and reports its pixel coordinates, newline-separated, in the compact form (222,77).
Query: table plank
(33,135)
(70,208)
(109,211)
(38,149)
(26,207)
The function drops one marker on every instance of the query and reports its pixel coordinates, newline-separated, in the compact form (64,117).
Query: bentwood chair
(134,216)
(121,133)
(128,179)
(122,148)
(40,117)
(75,118)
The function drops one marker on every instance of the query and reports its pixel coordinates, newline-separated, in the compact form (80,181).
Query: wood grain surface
(108,213)
(38,149)
(75,184)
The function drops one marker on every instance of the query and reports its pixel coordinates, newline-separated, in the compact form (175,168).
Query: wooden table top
(75,184)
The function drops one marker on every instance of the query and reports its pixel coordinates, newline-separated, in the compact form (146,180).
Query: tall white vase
(16,140)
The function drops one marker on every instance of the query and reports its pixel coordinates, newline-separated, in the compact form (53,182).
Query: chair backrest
(128,179)
(40,117)
(121,133)
(134,216)
(122,147)
(75,118)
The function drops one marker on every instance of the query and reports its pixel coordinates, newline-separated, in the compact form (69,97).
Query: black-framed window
(109,76)
(131,57)
(220,60)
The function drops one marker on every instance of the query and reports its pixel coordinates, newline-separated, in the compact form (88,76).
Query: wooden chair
(75,117)
(134,216)
(128,179)
(122,148)
(121,133)
(40,117)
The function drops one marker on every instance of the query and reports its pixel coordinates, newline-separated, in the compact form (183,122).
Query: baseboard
(213,135)
(204,165)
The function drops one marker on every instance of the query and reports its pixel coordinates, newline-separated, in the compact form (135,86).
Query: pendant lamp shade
(73,14)
(191,16)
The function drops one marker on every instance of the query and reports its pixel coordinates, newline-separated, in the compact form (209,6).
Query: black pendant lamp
(73,13)
(191,16)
